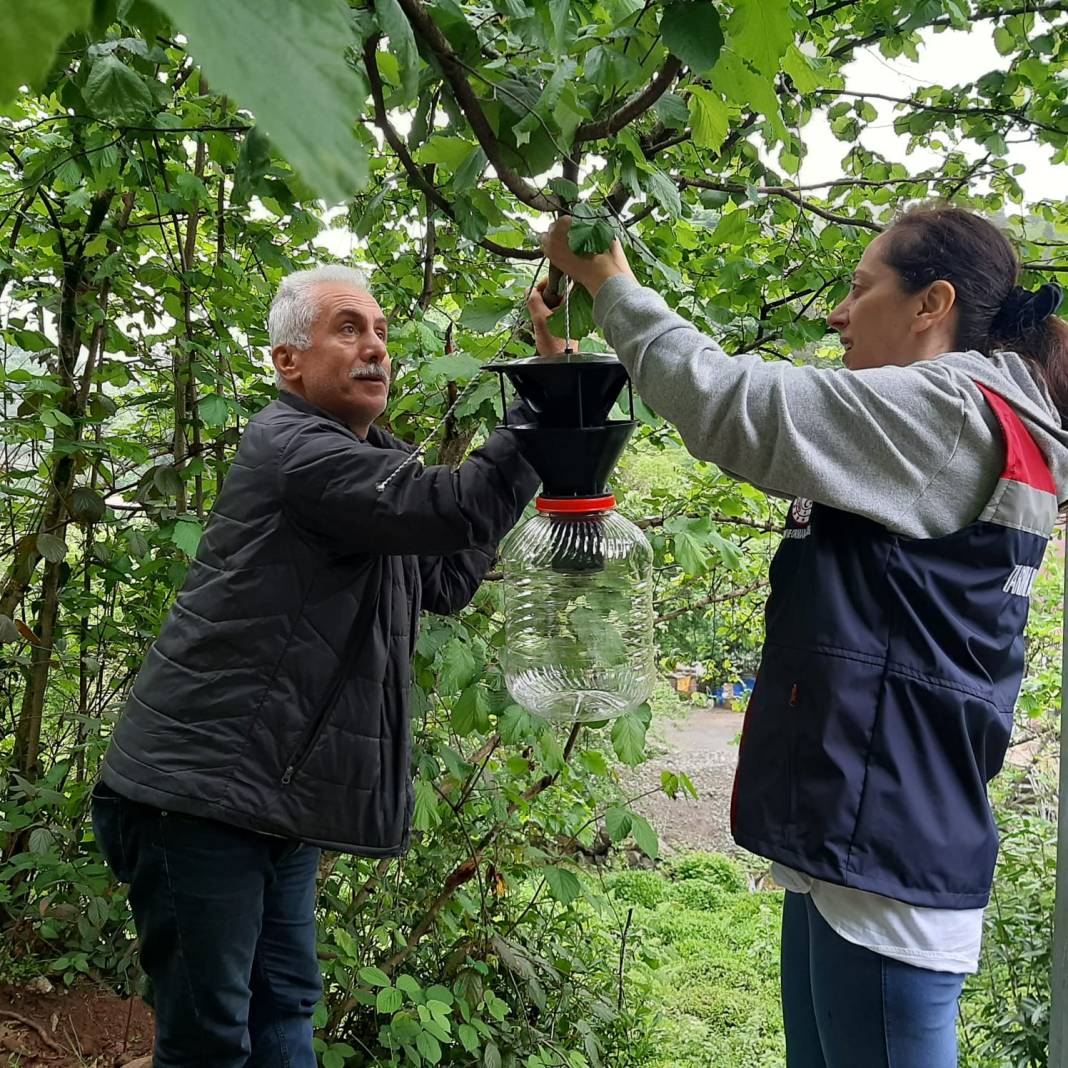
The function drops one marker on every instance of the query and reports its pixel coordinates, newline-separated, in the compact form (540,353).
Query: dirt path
(702,743)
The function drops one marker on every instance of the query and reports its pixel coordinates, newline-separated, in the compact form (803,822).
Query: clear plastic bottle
(578,612)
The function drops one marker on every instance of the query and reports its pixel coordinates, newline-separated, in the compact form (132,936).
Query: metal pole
(1058,1022)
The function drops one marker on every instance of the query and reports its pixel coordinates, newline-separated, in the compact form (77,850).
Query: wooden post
(1058,1022)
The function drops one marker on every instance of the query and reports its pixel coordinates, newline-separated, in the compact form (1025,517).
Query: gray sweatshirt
(914,448)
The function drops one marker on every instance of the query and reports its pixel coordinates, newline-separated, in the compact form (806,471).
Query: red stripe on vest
(1024,461)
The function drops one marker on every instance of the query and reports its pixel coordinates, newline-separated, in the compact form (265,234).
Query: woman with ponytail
(926,477)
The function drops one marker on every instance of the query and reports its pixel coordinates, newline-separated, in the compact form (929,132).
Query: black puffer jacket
(276,697)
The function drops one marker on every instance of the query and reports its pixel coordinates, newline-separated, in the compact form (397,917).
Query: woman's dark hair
(927,244)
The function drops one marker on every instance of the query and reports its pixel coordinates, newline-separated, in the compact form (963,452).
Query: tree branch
(944,109)
(789,194)
(706,602)
(637,105)
(426,28)
(722,520)
(414,171)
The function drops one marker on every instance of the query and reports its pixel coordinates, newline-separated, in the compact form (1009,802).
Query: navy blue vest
(885,695)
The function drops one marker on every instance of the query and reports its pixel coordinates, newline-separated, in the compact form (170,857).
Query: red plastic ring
(576,505)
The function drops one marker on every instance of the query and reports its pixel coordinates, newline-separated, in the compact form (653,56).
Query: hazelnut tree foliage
(162,165)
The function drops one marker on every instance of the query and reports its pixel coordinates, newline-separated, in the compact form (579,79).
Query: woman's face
(880,324)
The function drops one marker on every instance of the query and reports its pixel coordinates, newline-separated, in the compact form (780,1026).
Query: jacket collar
(374,435)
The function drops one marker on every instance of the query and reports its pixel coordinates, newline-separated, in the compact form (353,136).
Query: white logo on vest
(801,514)
(1022,580)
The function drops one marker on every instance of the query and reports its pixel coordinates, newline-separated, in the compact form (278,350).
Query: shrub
(639,887)
(714,868)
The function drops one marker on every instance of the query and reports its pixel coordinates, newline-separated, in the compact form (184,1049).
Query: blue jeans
(845,1006)
(227,929)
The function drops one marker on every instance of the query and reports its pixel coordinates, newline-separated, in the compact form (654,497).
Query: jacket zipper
(311,734)
(791,763)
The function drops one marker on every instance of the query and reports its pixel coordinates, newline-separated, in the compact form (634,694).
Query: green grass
(712,971)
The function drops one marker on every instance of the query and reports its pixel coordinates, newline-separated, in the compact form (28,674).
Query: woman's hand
(547,343)
(589,271)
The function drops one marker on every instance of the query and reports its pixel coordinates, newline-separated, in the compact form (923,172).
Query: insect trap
(577,576)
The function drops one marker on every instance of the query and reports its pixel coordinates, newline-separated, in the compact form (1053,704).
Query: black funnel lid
(575,390)
(573,461)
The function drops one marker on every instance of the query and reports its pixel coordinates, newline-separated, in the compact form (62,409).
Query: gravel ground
(702,742)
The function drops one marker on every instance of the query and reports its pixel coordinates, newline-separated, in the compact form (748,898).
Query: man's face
(345,368)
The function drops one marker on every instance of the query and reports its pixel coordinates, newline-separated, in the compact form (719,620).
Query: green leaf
(588,237)
(731,226)
(469,713)
(690,554)
(8,631)
(345,942)
(394,24)
(595,763)
(97,246)
(374,977)
(484,313)
(425,815)
(628,737)
(284,60)
(53,549)
(491,1056)
(449,15)
(744,86)
(389,1000)
(709,118)
(617,822)
(115,91)
(333,1059)
(761,30)
(672,111)
(137,543)
(428,1046)
(213,410)
(452,366)
(186,535)
(469,171)
(459,668)
(564,187)
(473,224)
(691,30)
(253,163)
(468,1037)
(563,884)
(801,70)
(581,312)
(1004,41)
(450,152)
(167,480)
(664,191)
(30,33)
(644,836)
(87,506)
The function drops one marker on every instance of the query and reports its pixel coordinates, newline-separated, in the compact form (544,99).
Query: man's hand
(589,271)
(547,343)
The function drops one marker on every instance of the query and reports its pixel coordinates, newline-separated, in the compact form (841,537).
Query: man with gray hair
(270,718)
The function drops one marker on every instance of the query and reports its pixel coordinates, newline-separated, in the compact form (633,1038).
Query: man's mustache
(374,371)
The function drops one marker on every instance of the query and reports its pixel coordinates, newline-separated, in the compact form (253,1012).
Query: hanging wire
(418,451)
(567,315)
